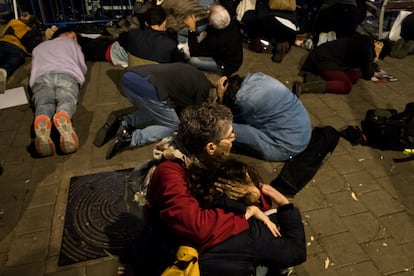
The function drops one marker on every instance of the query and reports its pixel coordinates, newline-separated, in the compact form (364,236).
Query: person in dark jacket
(158,92)
(340,64)
(153,42)
(335,19)
(221,51)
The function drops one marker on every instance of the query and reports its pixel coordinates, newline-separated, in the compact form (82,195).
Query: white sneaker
(331,36)
(323,38)
(3,80)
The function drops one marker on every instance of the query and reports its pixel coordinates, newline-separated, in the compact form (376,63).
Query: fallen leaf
(312,238)
(326,262)
(384,244)
(354,196)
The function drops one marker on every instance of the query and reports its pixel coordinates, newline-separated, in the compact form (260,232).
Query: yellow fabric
(186,263)
(282,5)
(20,29)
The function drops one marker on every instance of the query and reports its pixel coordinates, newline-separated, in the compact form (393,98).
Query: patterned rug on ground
(97,223)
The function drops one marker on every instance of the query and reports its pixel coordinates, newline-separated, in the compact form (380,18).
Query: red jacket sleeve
(169,197)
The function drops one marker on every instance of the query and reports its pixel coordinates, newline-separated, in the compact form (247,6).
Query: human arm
(169,197)
(237,191)
(196,48)
(292,241)
(278,199)
(221,87)
(254,211)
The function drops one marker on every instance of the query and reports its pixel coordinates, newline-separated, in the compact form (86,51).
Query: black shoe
(108,131)
(122,142)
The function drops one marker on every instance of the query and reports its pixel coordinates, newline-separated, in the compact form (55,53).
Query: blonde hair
(219,17)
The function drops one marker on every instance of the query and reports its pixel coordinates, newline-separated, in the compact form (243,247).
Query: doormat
(97,223)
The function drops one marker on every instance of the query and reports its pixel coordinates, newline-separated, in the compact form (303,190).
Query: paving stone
(33,269)
(76,271)
(30,248)
(324,222)
(43,195)
(310,198)
(408,248)
(388,256)
(35,220)
(380,203)
(360,269)
(328,181)
(345,164)
(365,227)
(362,182)
(342,249)
(312,244)
(345,203)
(400,225)
(106,268)
(316,265)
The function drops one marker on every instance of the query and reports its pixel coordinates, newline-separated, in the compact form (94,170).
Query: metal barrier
(66,12)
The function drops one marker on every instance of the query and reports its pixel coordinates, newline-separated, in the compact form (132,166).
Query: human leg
(11,57)
(67,94)
(337,82)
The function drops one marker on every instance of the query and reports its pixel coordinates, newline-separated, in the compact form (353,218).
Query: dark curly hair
(201,180)
(203,124)
(233,85)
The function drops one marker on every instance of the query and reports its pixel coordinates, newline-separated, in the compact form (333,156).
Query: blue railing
(67,12)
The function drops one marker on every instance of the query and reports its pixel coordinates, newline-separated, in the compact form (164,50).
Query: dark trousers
(11,57)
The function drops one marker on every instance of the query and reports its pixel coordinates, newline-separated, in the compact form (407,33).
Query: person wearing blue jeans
(270,121)
(158,92)
(57,73)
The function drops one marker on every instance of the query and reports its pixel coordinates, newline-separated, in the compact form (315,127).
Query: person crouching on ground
(58,71)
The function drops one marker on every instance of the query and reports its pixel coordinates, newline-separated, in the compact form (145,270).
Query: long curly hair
(201,180)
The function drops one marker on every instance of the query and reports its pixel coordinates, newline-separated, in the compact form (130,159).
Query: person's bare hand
(277,197)
(272,227)
(378,45)
(221,88)
(254,211)
(190,22)
(236,190)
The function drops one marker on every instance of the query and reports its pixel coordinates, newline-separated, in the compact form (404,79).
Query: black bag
(296,173)
(388,130)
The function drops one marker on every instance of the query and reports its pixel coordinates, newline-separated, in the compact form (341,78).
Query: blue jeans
(55,92)
(156,117)
(205,64)
(259,144)
(11,57)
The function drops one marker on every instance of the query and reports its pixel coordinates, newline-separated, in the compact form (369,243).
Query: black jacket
(342,54)
(153,45)
(224,46)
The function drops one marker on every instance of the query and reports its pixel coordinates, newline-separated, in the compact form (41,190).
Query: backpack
(386,129)
(297,172)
